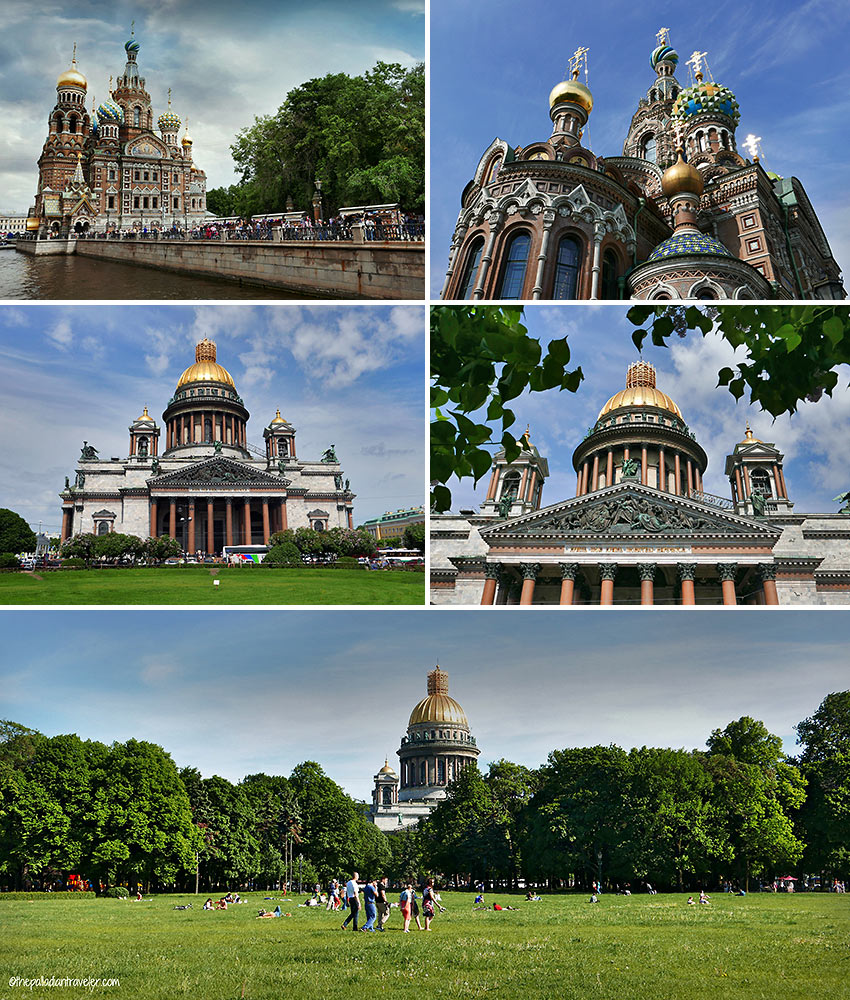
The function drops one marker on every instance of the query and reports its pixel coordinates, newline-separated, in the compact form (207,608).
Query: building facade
(680,214)
(110,168)
(199,479)
(437,746)
(393,523)
(641,529)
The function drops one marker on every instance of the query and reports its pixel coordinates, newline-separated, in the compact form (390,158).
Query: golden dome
(145,418)
(681,178)
(205,368)
(573,91)
(640,391)
(438,706)
(72,78)
(277,420)
(749,437)
(386,769)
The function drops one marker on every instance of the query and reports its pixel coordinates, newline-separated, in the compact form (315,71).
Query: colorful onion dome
(706,98)
(72,78)
(640,391)
(681,177)
(687,243)
(572,91)
(168,122)
(94,124)
(131,45)
(664,53)
(110,111)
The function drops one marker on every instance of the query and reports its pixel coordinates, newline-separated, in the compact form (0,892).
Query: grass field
(776,947)
(194,585)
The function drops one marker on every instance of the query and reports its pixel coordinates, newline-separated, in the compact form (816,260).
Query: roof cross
(695,62)
(577,60)
(663,36)
(752,144)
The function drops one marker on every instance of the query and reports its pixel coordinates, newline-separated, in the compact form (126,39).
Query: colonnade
(189,428)
(411,770)
(742,485)
(237,519)
(685,472)
(686,572)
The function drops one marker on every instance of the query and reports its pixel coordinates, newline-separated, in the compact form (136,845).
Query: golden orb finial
(681,178)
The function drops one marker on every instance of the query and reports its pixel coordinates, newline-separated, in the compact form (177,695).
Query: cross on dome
(579,60)
(695,62)
(752,144)
(663,36)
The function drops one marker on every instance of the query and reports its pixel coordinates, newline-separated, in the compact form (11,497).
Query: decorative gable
(217,472)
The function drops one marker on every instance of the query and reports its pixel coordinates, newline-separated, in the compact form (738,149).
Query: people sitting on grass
(593,898)
(530,897)
(209,904)
(478,899)
(703,898)
(266,914)
(691,901)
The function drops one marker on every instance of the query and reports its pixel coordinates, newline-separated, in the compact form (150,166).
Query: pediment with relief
(217,472)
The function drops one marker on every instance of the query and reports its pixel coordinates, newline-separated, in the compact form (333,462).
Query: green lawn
(776,947)
(194,585)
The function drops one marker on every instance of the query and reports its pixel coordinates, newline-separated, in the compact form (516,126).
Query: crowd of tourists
(378,902)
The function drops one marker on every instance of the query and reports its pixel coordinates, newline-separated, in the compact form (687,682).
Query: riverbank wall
(371,270)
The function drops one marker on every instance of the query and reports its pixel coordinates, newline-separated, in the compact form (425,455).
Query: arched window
(283,447)
(609,275)
(566,268)
(649,148)
(72,124)
(103,527)
(470,272)
(705,293)
(318,526)
(702,142)
(441,772)
(386,795)
(510,484)
(137,117)
(513,274)
(761,482)
(423,773)
(208,436)
(493,172)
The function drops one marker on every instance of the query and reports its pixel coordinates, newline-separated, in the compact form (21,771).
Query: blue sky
(239,692)
(351,376)
(814,440)
(492,66)
(225,63)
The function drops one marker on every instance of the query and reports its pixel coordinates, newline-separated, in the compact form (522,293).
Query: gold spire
(749,437)
(205,368)
(72,77)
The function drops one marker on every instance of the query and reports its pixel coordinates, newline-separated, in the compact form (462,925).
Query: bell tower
(144,437)
(650,136)
(280,441)
(516,487)
(757,478)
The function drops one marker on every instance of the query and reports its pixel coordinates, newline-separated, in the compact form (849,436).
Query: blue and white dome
(664,53)
(687,243)
(168,122)
(109,111)
(131,45)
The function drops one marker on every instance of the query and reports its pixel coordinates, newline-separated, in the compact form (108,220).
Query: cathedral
(110,169)
(641,529)
(681,214)
(437,746)
(201,481)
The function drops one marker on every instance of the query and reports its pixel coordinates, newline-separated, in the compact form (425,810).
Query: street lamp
(317,202)
(184,521)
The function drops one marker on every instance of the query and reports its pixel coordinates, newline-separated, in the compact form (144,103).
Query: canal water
(72,277)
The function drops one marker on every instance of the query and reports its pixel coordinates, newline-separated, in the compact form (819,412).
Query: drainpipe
(791,252)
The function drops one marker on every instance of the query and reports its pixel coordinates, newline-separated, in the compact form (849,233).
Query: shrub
(117,892)
(286,554)
(8,560)
(347,562)
(29,896)
(73,563)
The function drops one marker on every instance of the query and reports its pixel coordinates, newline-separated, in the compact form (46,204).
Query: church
(109,169)
(437,746)
(680,214)
(200,480)
(641,529)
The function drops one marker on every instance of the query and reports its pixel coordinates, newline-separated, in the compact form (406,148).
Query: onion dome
(687,242)
(205,368)
(145,418)
(706,98)
(386,769)
(72,78)
(278,420)
(640,391)
(110,111)
(168,122)
(574,92)
(664,53)
(131,45)
(438,706)
(186,141)
(681,178)
(749,437)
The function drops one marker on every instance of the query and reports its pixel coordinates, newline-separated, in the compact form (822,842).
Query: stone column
(67,517)
(740,488)
(492,571)
(677,472)
(690,477)
(661,478)
(283,518)
(153,521)
(229,520)
(687,572)
(643,467)
(585,473)
(598,237)
(191,516)
(781,472)
(266,523)
(247,537)
(767,572)
(609,468)
(548,220)
(494,482)
(607,572)
(569,572)
(594,479)
(647,581)
(210,527)
(522,482)
(746,478)
(172,517)
(529,576)
(727,571)
(495,223)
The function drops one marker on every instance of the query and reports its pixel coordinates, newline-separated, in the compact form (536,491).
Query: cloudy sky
(492,68)
(348,376)
(225,63)
(815,440)
(237,692)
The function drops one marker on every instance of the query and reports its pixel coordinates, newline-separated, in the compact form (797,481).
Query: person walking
(370,895)
(406,904)
(415,913)
(333,895)
(352,897)
(382,903)
(428,903)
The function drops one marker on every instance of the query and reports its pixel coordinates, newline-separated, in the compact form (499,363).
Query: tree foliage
(363,137)
(15,534)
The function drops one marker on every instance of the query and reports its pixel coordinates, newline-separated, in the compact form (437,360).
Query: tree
(157,550)
(414,536)
(826,734)
(482,356)
(117,546)
(286,554)
(363,137)
(82,546)
(15,534)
